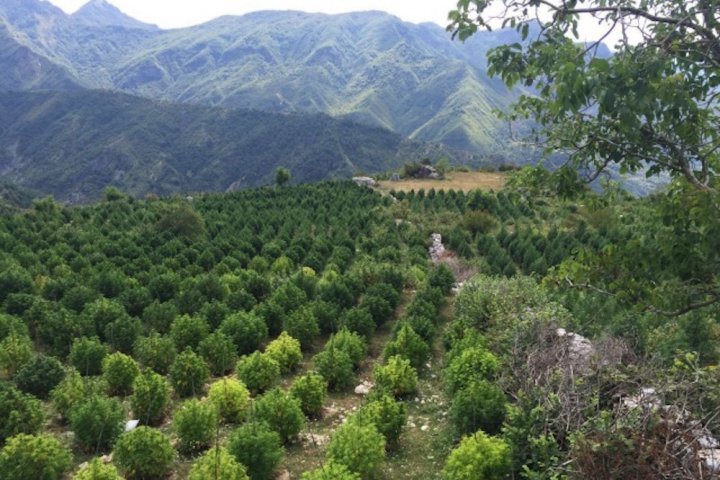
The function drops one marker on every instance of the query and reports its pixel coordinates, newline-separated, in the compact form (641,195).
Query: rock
(364,388)
(711,458)
(365,181)
(314,439)
(437,249)
(131,425)
(424,428)
(284,475)
(106,458)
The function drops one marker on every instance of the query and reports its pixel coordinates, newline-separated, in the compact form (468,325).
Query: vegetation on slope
(73,145)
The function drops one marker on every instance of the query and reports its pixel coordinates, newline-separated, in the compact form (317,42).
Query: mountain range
(368,67)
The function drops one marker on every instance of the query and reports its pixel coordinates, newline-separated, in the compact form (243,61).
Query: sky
(183,13)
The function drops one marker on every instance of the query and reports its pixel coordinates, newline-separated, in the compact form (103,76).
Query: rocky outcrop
(437,249)
(365,182)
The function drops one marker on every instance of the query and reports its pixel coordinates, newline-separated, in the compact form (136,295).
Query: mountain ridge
(369,67)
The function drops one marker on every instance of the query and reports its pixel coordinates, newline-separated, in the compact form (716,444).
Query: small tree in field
(257,447)
(144,453)
(361,448)
(217,464)
(231,398)
(28,457)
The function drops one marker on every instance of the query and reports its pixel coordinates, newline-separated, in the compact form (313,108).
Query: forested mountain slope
(370,67)
(73,145)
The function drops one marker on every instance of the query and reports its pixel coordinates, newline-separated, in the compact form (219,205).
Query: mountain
(369,67)
(73,145)
(100,13)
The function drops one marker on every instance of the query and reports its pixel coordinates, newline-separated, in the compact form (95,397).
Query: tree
(652,106)
(258,447)
(97,470)
(231,398)
(40,375)
(40,457)
(19,413)
(217,464)
(361,448)
(188,374)
(282,412)
(119,371)
(195,424)
(144,453)
(282,176)
(478,457)
(151,397)
(97,422)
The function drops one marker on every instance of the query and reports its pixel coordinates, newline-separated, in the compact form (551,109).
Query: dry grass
(465,181)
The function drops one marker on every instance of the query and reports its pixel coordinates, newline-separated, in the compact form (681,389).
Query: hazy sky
(182,13)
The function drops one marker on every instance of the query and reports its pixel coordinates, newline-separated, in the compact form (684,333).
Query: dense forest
(234,327)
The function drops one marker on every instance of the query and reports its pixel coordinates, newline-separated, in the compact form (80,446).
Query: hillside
(307,328)
(369,67)
(73,145)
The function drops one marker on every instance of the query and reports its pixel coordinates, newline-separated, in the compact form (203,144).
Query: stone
(284,475)
(365,182)
(314,439)
(364,388)
(425,428)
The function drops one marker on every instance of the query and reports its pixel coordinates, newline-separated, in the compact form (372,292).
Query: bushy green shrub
(40,375)
(286,351)
(336,367)
(150,398)
(97,422)
(217,464)
(156,352)
(331,471)
(441,277)
(246,330)
(219,351)
(258,372)
(282,412)
(311,391)
(231,399)
(16,351)
(87,354)
(478,457)
(122,333)
(19,413)
(195,424)
(422,325)
(387,415)
(258,447)
(144,453)
(473,364)
(120,371)
(351,343)
(360,321)
(40,457)
(302,325)
(98,470)
(359,447)
(397,377)
(188,331)
(379,308)
(71,391)
(480,405)
(159,316)
(188,374)
(409,345)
